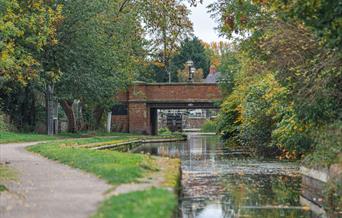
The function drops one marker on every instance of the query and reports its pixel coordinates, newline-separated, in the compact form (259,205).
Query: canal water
(217,182)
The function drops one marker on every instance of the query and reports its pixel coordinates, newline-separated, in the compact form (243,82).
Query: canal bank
(141,185)
(217,182)
(321,189)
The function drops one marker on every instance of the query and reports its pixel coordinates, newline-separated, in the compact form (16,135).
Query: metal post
(190,79)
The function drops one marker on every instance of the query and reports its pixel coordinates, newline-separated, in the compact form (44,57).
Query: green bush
(209,126)
(257,126)
(164,131)
(228,120)
(328,146)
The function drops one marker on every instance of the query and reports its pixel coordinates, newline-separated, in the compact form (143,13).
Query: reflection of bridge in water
(216,183)
(137,112)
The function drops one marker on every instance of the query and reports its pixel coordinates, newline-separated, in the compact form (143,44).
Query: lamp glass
(189,63)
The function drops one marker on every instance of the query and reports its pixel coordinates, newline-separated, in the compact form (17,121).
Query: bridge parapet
(172,92)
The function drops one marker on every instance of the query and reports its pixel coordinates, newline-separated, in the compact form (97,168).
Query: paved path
(47,189)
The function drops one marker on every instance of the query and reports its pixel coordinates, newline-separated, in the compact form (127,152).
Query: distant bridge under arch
(137,112)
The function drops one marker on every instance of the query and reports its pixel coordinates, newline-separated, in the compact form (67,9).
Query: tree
(288,79)
(167,25)
(216,50)
(99,51)
(183,75)
(25,28)
(191,49)
(322,16)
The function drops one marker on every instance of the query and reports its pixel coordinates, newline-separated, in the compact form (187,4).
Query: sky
(203,24)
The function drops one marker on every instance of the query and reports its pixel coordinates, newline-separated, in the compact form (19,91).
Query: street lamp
(192,70)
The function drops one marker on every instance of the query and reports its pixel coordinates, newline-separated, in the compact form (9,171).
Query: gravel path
(47,189)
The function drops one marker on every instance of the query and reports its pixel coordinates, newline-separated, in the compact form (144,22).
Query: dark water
(217,182)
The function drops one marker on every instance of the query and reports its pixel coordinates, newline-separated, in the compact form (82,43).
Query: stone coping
(321,174)
(175,84)
(140,141)
(317,210)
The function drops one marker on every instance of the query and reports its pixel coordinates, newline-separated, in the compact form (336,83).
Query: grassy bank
(144,204)
(114,167)
(11,137)
(8,137)
(119,168)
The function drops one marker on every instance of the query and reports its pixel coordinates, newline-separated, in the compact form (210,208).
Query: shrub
(328,146)
(164,131)
(209,126)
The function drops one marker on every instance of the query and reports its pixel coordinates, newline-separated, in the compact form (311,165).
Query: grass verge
(7,137)
(152,203)
(119,168)
(10,137)
(114,167)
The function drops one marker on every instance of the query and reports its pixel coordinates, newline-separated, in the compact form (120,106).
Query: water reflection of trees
(256,195)
(213,179)
(247,196)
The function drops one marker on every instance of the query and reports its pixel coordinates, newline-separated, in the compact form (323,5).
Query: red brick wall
(183,92)
(173,92)
(120,123)
(138,118)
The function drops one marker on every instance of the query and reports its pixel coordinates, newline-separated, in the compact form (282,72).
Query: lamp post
(192,70)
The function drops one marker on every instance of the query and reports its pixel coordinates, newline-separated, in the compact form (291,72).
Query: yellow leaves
(288,155)
(26,29)
(36,5)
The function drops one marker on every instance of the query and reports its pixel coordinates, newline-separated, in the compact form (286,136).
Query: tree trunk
(49,109)
(97,115)
(67,107)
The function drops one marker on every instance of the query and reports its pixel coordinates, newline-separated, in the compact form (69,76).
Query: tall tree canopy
(99,51)
(168,24)
(285,91)
(25,28)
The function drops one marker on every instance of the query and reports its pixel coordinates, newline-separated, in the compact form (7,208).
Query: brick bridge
(137,112)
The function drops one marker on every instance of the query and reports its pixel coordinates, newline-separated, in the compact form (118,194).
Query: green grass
(2,188)
(8,137)
(117,168)
(114,167)
(152,203)
(209,126)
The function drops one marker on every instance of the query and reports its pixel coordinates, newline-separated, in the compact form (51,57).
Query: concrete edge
(321,175)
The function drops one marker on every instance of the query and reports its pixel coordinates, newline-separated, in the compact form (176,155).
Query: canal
(217,182)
